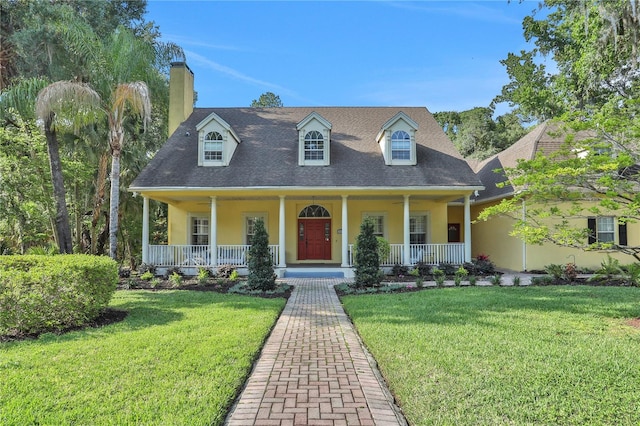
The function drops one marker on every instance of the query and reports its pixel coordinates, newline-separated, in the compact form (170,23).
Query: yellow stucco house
(508,252)
(312,174)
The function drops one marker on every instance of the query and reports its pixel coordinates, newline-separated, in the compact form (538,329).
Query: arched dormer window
(314,139)
(314,146)
(397,140)
(213,146)
(217,141)
(400,145)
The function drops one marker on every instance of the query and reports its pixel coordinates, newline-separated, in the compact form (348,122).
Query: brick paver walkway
(313,369)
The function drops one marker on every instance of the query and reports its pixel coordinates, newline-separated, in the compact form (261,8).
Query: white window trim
(247,215)
(614,232)
(427,215)
(311,122)
(385,221)
(190,219)
(400,121)
(230,140)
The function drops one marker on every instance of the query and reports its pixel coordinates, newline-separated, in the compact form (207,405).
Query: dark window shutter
(622,234)
(591,224)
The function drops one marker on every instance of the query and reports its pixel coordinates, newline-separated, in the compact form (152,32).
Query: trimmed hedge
(51,293)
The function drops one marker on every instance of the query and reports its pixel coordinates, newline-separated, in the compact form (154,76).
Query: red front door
(314,239)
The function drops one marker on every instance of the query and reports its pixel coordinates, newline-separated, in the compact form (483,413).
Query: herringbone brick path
(313,369)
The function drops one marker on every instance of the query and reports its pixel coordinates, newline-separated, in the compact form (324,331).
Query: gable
(314,141)
(397,140)
(217,142)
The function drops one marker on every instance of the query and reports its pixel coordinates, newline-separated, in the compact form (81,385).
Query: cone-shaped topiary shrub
(367,269)
(261,275)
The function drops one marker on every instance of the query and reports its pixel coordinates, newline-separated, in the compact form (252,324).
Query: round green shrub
(51,293)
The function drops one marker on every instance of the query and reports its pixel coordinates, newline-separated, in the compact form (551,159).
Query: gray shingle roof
(545,139)
(268,153)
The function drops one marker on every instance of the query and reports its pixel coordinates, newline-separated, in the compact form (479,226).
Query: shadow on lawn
(477,305)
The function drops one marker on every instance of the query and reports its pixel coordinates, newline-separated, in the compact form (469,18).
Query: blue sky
(443,55)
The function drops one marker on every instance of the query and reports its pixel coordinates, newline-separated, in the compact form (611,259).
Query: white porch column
(281,235)
(345,233)
(406,233)
(467,229)
(213,229)
(145,230)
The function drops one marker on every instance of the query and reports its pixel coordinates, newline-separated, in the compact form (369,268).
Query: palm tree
(136,97)
(68,99)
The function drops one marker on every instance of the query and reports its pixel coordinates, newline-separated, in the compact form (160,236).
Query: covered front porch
(308,231)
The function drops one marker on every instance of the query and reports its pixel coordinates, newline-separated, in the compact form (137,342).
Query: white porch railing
(198,255)
(431,254)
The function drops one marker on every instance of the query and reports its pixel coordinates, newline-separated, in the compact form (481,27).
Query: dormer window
(213,146)
(397,140)
(313,146)
(400,145)
(314,137)
(216,141)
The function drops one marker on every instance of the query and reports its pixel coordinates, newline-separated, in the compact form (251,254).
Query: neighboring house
(507,252)
(312,174)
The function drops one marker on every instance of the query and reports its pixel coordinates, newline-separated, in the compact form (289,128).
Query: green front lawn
(520,355)
(180,358)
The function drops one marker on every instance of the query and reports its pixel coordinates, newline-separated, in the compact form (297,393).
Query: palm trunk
(63,229)
(114,199)
(98,198)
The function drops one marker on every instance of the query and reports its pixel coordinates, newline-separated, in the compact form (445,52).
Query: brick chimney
(181,94)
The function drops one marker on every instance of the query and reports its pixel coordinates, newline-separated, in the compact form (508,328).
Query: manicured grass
(179,358)
(523,355)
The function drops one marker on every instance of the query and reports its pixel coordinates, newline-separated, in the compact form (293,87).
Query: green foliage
(516,281)
(261,275)
(147,275)
(367,268)
(609,267)
(555,270)
(631,274)
(461,274)
(476,134)
(399,270)
(225,271)
(50,293)
(447,268)
(63,41)
(234,275)
(496,279)
(267,100)
(175,279)
(473,280)
(203,275)
(423,268)
(542,280)
(384,248)
(438,276)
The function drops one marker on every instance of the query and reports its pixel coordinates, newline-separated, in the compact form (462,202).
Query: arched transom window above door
(314,210)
